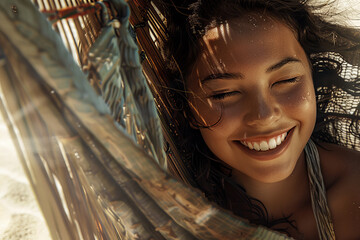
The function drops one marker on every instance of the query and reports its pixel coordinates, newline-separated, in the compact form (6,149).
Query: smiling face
(252,84)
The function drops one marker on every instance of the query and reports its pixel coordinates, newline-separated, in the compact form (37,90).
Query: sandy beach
(20,216)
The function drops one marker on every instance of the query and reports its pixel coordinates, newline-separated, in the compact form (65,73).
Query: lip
(266,138)
(269,154)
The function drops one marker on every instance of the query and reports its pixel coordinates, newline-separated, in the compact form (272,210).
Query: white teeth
(264,146)
(278,140)
(272,143)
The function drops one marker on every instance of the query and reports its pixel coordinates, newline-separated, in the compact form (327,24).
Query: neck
(280,198)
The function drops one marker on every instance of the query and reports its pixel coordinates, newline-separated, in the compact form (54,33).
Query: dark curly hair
(332,49)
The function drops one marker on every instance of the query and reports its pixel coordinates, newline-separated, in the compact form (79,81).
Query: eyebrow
(222,76)
(280,64)
(272,68)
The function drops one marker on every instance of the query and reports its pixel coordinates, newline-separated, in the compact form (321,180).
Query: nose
(262,111)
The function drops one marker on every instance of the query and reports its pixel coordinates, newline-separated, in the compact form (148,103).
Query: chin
(274,178)
(273,174)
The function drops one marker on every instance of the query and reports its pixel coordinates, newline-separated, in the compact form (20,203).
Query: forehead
(249,25)
(253,40)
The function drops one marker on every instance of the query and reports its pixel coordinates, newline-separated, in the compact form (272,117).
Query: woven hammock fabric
(94,163)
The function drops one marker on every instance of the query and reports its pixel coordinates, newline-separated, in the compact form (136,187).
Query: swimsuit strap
(318,193)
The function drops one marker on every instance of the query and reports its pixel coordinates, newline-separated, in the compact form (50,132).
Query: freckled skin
(260,104)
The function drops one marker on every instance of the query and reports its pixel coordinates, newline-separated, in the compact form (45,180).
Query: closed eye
(290,80)
(221,96)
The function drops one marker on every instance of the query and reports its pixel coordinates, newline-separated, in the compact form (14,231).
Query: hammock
(87,131)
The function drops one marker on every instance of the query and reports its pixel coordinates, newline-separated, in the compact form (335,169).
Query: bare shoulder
(341,171)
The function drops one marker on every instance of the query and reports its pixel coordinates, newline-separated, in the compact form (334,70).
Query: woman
(261,80)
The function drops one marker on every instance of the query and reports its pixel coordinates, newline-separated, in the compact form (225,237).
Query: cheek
(300,104)
(205,112)
(216,139)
